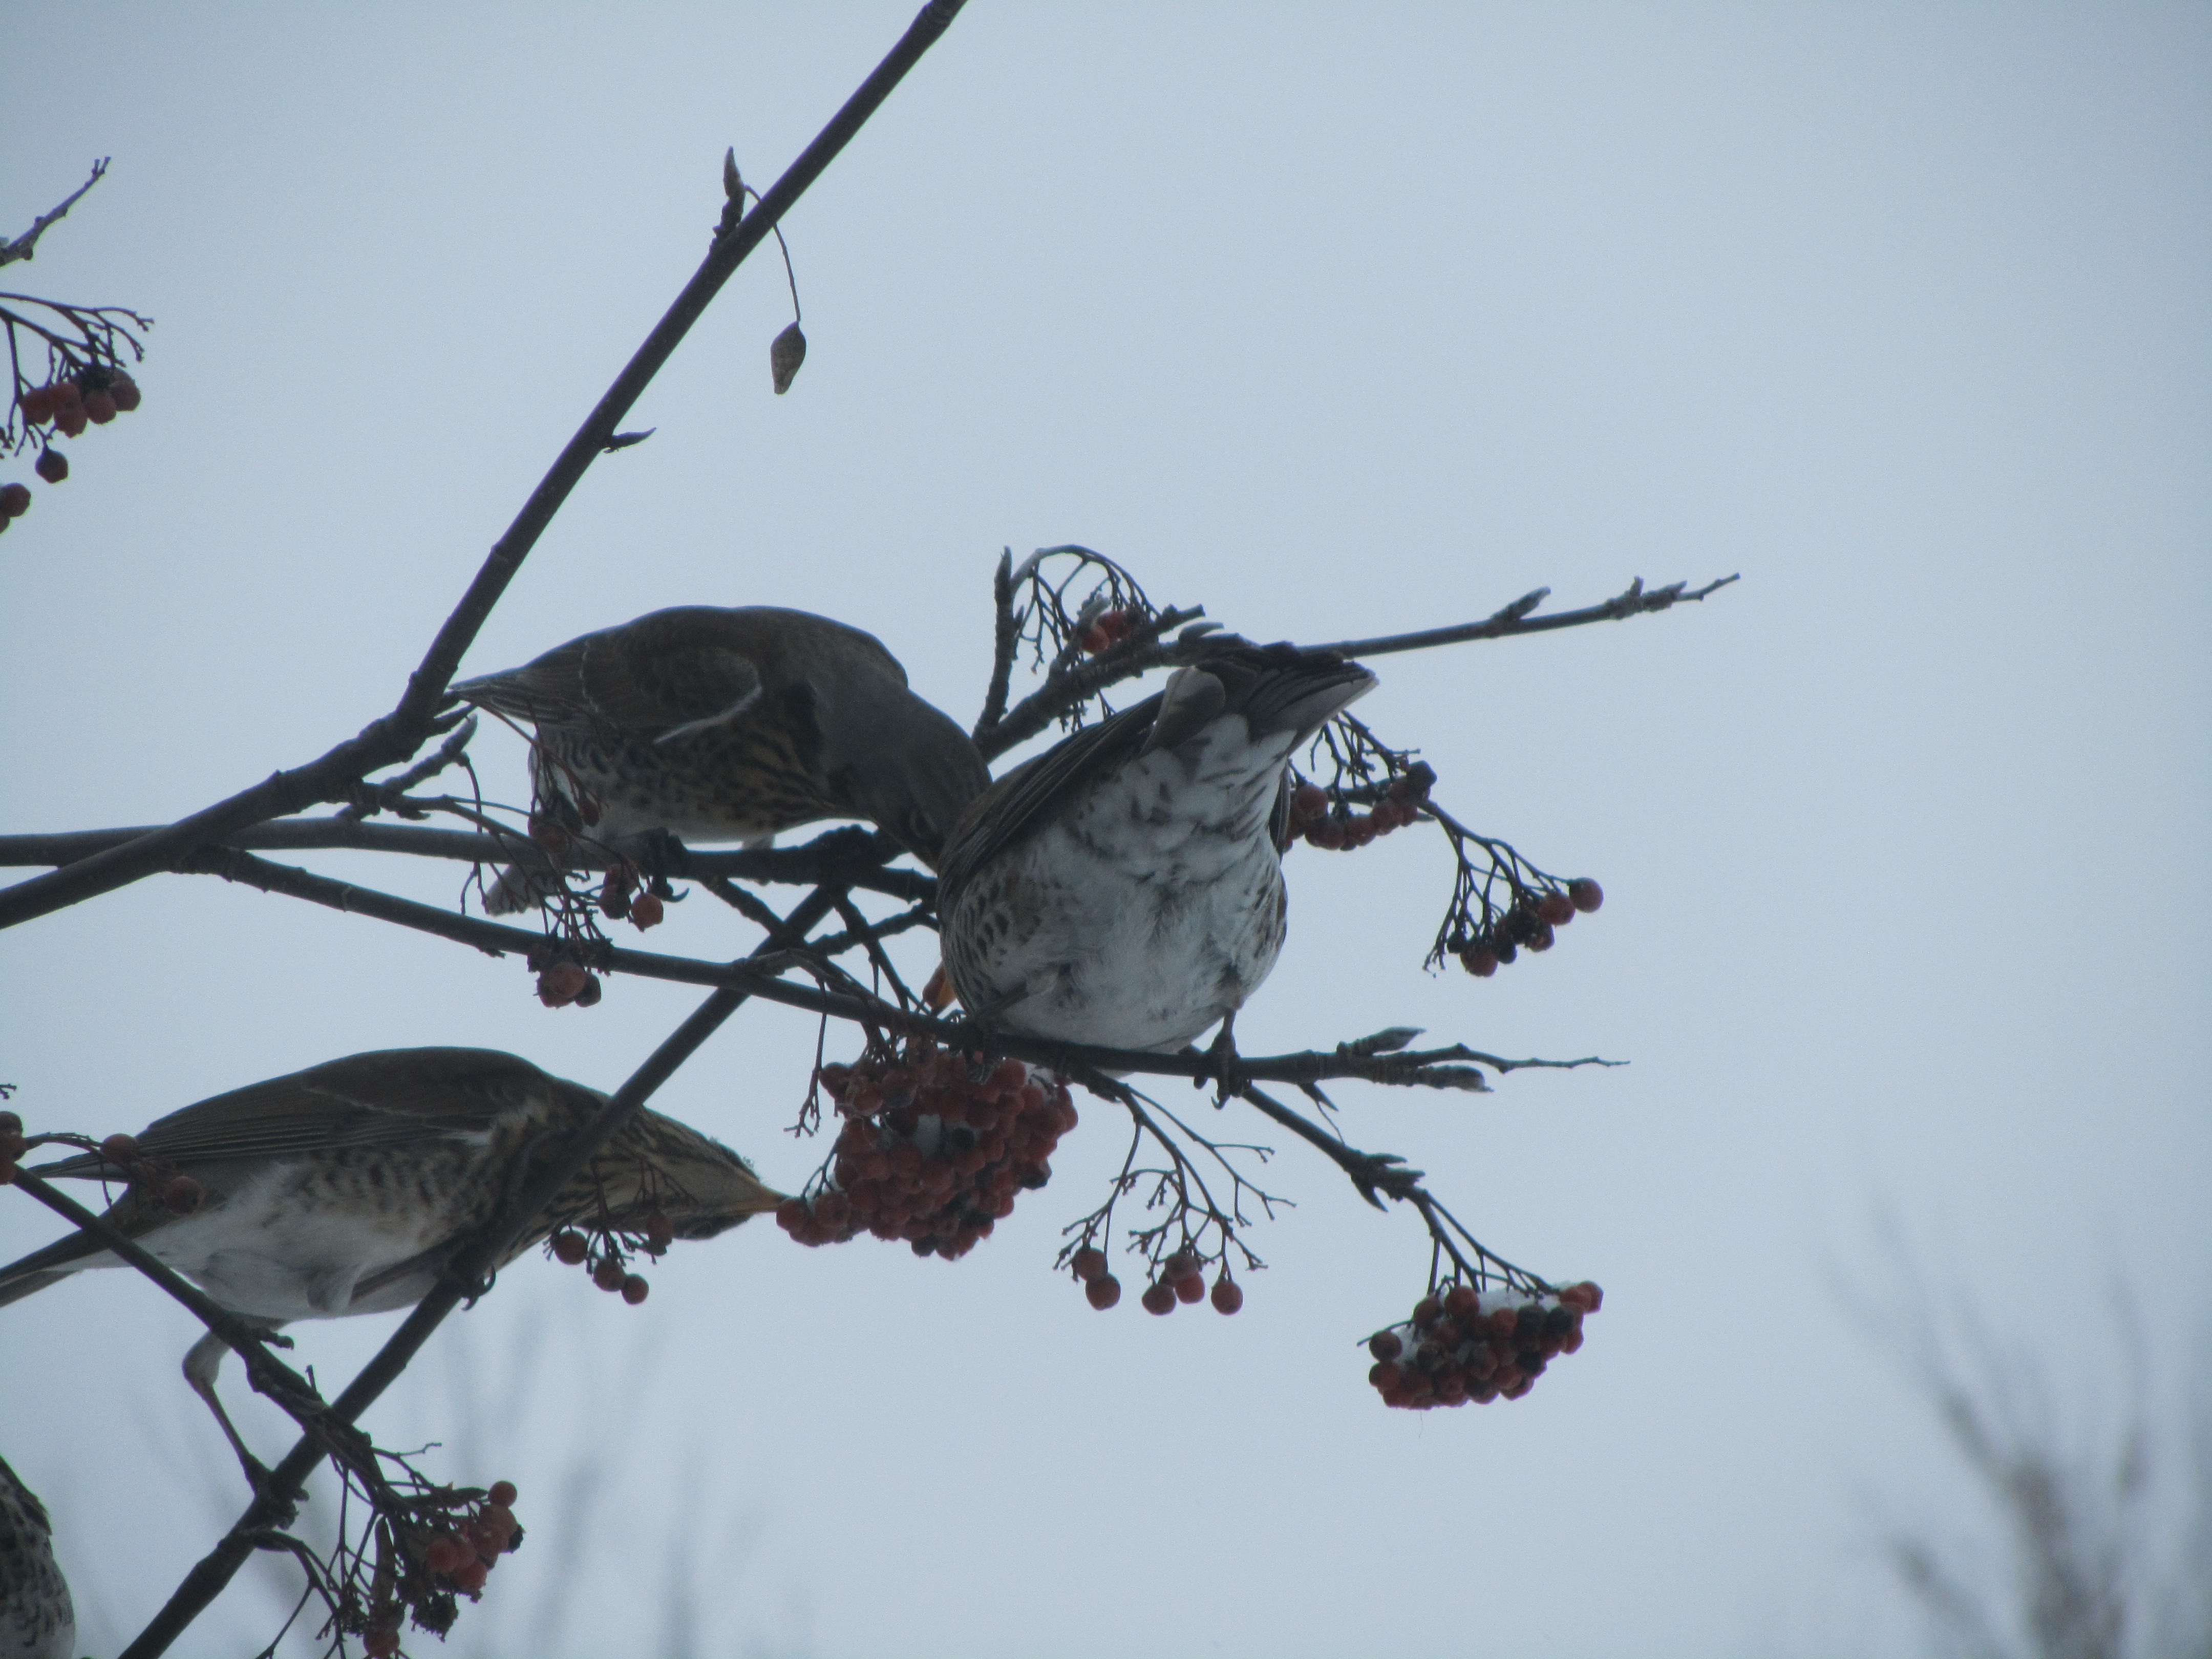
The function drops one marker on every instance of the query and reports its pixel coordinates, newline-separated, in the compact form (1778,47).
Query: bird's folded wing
(385,1098)
(1032,794)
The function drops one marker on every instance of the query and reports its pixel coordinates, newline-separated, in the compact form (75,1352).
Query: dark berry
(52,465)
(1385,1345)
(1159,1298)
(124,391)
(119,1149)
(562,984)
(609,1274)
(14,500)
(1090,1262)
(1189,1290)
(568,1246)
(1228,1297)
(1183,1264)
(1557,908)
(183,1194)
(1103,1292)
(646,911)
(503,1493)
(1585,894)
(635,1290)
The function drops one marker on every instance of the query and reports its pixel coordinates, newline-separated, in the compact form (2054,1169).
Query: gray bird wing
(1021,803)
(1276,687)
(385,1098)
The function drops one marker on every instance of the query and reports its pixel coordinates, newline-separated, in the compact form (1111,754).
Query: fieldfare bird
(37,1618)
(719,725)
(1125,888)
(345,1188)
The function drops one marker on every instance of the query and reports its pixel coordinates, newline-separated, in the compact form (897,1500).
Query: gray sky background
(1338,323)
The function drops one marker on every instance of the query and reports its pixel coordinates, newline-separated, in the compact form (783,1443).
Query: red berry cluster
(619,896)
(178,1192)
(560,983)
(1532,922)
(95,394)
(609,1271)
(452,1556)
(935,1148)
(1107,631)
(1465,1344)
(1182,1279)
(1312,819)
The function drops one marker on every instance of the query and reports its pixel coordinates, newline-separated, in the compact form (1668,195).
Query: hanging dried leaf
(785,357)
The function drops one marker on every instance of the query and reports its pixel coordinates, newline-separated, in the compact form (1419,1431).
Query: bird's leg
(201,1362)
(1223,1054)
(659,854)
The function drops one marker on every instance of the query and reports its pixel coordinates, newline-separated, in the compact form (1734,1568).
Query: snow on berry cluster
(602,1252)
(1313,820)
(1465,1344)
(933,1148)
(96,394)
(1534,922)
(1182,1279)
(451,1556)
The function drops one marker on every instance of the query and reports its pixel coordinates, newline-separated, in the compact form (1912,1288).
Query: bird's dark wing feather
(385,1098)
(1027,797)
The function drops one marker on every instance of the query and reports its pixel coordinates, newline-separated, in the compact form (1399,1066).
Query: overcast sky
(1338,322)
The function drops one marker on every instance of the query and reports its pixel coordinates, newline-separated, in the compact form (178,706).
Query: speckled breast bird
(343,1189)
(722,725)
(37,1618)
(1125,888)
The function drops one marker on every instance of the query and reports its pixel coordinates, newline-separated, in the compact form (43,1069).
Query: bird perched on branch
(345,1188)
(37,1618)
(1125,889)
(719,725)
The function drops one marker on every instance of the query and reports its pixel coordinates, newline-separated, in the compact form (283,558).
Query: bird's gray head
(917,773)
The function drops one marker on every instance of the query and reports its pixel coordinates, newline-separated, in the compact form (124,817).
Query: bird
(37,1618)
(717,724)
(1125,889)
(345,1188)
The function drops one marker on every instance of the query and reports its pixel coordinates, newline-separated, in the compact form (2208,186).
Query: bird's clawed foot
(658,854)
(1227,1078)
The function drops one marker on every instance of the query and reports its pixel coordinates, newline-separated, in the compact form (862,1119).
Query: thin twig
(1515,619)
(26,246)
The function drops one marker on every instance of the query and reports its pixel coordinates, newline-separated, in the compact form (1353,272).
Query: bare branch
(1515,619)
(26,246)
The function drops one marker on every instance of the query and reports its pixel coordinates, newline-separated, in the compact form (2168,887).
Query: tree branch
(1515,619)
(26,246)
(850,857)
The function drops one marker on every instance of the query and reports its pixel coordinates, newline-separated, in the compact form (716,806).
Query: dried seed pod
(785,356)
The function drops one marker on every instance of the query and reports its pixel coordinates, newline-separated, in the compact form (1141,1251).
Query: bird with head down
(731,725)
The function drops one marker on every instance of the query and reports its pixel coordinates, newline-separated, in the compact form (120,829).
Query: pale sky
(1337,323)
